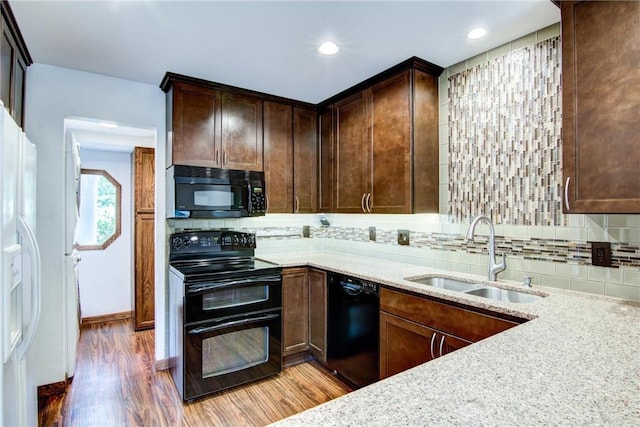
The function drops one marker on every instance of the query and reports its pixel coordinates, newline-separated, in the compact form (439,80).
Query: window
(99,222)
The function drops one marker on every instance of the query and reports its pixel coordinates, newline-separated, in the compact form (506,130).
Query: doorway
(103,236)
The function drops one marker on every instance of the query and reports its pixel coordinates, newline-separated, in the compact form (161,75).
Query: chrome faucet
(494,268)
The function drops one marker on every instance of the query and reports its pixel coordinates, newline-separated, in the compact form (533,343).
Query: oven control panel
(203,241)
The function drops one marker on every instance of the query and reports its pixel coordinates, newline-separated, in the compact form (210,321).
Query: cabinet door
(391,145)
(196,126)
(403,344)
(144,313)
(278,157)
(352,154)
(241,132)
(601,100)
(426,144)
(326,160)
(305,160)
(318,313)
(295,311)
(144,175)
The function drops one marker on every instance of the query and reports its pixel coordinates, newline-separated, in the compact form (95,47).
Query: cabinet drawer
(466,324)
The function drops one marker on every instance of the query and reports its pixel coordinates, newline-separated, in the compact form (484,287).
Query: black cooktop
(200,255)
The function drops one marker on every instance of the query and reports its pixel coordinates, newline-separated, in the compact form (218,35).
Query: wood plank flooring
(115,384)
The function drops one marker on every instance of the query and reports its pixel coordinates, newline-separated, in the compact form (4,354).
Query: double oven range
(225,308)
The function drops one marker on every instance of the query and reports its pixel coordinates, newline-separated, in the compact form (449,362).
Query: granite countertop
(576,362)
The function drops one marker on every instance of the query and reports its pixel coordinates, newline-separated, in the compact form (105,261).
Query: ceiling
(268,46)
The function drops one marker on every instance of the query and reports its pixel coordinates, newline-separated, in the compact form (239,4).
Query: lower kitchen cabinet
(318,314)
(295,311)
(405,344)
(415,329)
(304,314)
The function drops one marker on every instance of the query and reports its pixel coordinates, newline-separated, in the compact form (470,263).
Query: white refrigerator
(20,285)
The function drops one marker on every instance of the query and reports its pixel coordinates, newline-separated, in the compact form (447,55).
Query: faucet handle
(527,281)
(503,264)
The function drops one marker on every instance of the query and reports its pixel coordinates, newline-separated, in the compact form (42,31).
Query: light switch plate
(403,237)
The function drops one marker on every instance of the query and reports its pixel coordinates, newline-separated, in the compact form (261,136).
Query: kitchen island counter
(575,362)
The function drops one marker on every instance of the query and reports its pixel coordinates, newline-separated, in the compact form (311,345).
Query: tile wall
(555,251)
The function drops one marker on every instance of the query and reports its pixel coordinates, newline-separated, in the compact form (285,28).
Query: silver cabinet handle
(442,344)
(362,202)
(433,340)
(224,157)
(368,202)
(266,209)
(566,193)
(217,157)
(297,205)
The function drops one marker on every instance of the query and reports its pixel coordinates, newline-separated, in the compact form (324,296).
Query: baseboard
(54,389)
(125,315)
(295,359)
(162,364)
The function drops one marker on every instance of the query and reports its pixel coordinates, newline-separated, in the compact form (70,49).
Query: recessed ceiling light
(476,33)
(109,125)
(328,48)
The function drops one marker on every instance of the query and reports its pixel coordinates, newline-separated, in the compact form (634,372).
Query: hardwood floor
(115,384)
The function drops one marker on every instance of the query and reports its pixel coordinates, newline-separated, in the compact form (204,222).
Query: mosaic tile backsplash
(553,250)
(505,119)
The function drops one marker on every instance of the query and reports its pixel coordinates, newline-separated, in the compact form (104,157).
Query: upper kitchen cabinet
(290,157)
(241,145)
(601,100)
(14,60)
(212,125)
(385,142)
(326,160)
(278,156)
(305,160)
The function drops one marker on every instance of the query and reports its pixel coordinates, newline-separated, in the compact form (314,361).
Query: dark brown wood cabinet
(242,139)
(144,238)
(291,158)
(386,143)
(326,160)
(415,329)
(318,313)
(278,156)
(351,153)
(601,100)
(14,60)
(212,128)
(295,311)
(405,344)
(305,160)
(304,313)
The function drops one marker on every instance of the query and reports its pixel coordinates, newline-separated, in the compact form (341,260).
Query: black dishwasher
(353,329)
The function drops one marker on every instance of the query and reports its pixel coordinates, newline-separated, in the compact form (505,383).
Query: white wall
(52,94)
(105,276)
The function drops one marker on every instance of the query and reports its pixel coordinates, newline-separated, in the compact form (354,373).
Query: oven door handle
(205,329)
(196,289)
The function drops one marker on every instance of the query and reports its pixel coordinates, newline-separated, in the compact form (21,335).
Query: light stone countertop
(576,363)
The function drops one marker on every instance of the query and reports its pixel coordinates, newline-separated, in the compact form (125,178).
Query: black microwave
(198,192)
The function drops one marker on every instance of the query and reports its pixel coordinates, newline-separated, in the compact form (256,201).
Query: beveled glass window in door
(100,205)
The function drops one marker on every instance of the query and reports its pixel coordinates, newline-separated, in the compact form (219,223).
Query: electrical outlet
(372,233)
(403,237)
(306,231)
(601,254)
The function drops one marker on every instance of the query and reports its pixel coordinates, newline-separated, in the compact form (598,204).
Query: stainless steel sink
(477,289)
(446,283)
(506,295)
